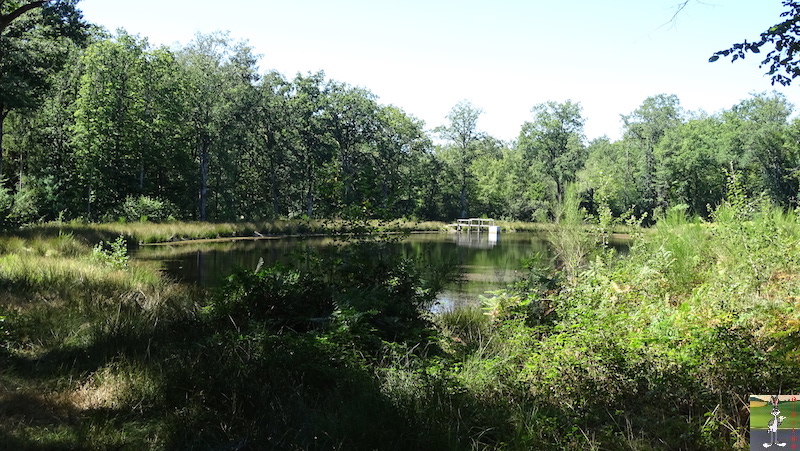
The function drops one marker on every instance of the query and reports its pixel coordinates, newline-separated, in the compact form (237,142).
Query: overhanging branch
(6,19)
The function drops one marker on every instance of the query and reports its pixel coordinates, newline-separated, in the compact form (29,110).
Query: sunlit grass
(148,232)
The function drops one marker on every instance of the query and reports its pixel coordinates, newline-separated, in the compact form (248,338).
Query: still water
(485,264)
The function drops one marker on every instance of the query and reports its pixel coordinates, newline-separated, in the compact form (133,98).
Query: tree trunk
(463,201)
(89,203)
(310,200)
(346,178)
(3,114)
(273,187)
(204,159)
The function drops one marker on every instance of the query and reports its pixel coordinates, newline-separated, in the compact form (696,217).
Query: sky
(503,56)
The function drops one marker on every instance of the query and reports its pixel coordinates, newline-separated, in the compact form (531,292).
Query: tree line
(100,127)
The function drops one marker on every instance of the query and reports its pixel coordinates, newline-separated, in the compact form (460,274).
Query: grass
(148,232)
(657,349)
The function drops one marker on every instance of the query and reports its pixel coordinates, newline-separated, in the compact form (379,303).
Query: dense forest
(100,127)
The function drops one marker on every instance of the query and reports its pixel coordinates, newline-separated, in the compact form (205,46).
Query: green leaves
(783,37)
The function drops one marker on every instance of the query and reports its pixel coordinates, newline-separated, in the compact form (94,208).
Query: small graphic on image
(773,421)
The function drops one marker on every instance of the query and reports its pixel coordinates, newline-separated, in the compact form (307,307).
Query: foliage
(112,131)
(113,254)
(463,135)
(625,352)
(354,294)
(781,38)
(554,143)
(35,40)
(146,208)
(569,239)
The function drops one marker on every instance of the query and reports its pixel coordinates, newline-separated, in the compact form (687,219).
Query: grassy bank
(148,232)
(658,349)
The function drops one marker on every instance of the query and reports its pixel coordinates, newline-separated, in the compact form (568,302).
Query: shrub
(113,253)
(146,208)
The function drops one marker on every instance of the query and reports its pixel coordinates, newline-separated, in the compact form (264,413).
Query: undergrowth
(656,349)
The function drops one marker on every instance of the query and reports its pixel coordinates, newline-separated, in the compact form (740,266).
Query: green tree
(400,148)
(509,186)
(645,127)
(553,142)
(219,77)
(35,40)
(610,174)
(462,134)
(760,139)
(266,177)
(694,159)
(354,127)
(110,121)
(314,147)
(40,142)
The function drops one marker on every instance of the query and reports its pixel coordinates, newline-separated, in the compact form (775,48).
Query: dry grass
(147,232)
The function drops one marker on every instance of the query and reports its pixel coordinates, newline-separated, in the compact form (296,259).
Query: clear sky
(505,56)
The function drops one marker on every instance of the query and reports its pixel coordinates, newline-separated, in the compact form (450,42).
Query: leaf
(713,58)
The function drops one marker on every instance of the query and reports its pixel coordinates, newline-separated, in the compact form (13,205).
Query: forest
(103,127)
(108,144)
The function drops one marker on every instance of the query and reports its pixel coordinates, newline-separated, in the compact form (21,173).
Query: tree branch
(678,8)
(5,20)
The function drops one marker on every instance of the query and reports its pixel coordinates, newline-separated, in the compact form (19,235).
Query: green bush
(113,254)
(146,208)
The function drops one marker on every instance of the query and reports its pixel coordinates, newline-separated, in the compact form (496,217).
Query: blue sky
(504,56)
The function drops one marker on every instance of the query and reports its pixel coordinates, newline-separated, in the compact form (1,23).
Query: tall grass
(569,239)
(147,232)
(652,350)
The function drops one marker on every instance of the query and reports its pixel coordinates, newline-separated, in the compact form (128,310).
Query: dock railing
(474,223)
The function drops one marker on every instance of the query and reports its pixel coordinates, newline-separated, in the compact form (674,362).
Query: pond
(486,264)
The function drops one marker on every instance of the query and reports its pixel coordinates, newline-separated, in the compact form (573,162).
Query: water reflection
(487,264)
(476,239)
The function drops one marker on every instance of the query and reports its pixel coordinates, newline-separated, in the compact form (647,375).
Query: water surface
(486,264)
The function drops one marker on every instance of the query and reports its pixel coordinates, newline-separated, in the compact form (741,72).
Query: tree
(463,134)
(220,78)
(553,142)
(645,126)
(760,139)
(109,120)
(34,42)
(11,11)
(784,40)
(400,147)
(609,174)
(270,153)
(693,162)
(314,146)
(354,126)
(509,186)
(130,130)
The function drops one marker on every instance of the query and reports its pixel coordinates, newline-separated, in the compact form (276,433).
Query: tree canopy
(119,129)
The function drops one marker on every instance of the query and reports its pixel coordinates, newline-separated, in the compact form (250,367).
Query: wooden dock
(474,224)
